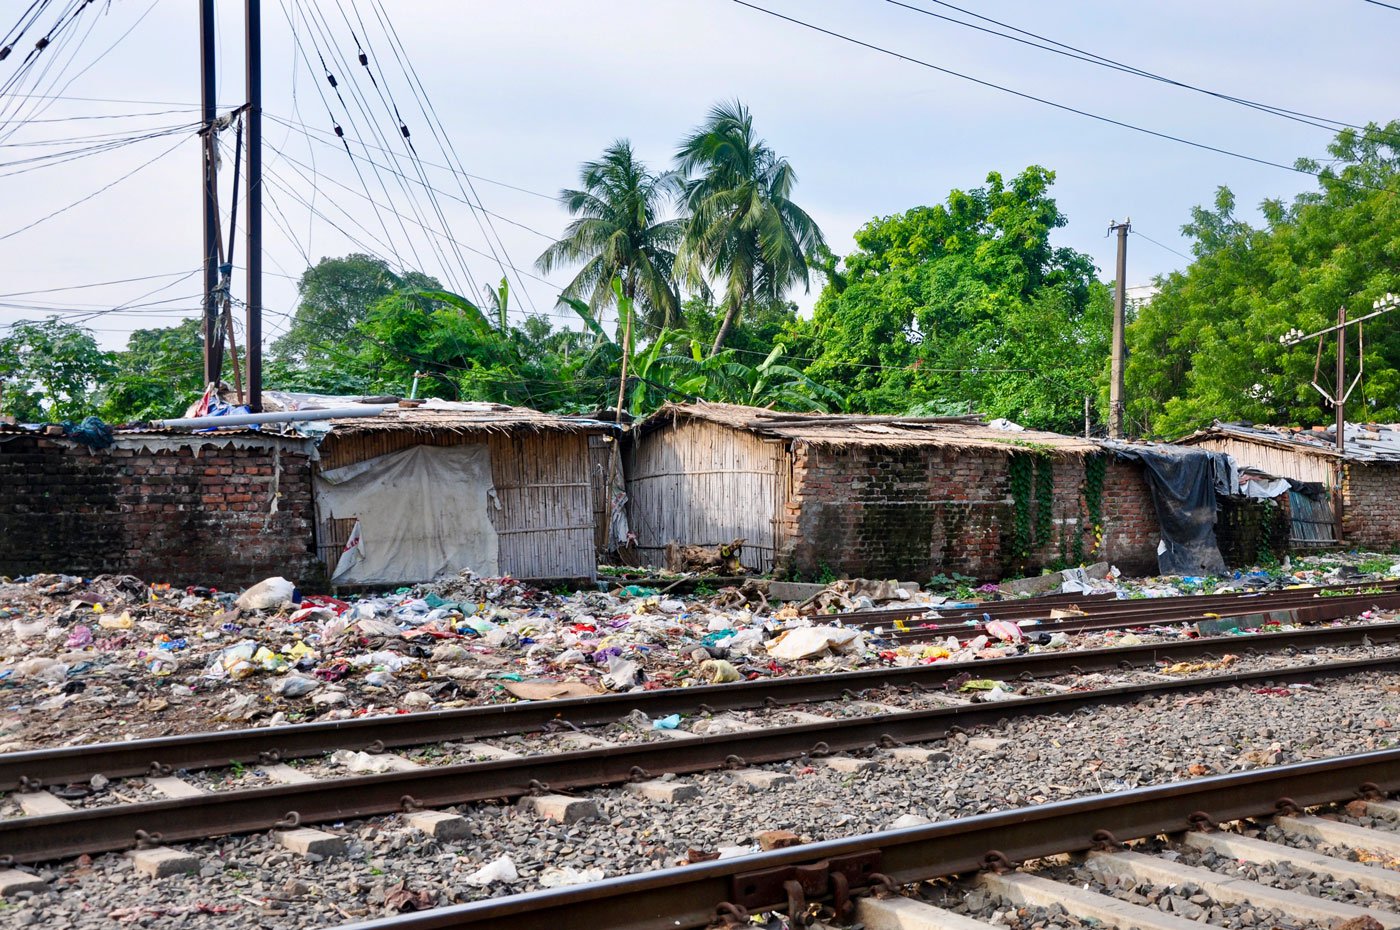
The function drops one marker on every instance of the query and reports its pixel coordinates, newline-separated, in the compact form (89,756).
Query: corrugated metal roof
(1365,442)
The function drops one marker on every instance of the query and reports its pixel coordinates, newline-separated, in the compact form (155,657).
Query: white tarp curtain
(422,512)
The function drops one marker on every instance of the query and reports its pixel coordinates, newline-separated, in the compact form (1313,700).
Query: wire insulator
(403,129)
(331,77)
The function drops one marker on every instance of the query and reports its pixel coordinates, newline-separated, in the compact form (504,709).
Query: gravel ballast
(260,884)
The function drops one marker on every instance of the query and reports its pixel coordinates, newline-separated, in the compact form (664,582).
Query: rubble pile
(114,657)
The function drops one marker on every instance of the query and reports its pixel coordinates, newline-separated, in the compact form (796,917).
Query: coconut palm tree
(619,233)
(743,229)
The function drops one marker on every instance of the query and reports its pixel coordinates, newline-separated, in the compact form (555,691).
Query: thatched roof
(835,429)
(445,416)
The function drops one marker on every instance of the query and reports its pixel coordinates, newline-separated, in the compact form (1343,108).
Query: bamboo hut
(1333,497)
(879,496)
(423,490)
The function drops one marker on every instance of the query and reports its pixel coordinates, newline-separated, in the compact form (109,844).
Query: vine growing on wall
(1021,468)
(1095,468)
(1044,499)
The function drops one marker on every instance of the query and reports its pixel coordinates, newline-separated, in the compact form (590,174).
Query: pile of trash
(158,659)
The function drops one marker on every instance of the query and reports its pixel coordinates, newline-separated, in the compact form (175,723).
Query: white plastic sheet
(423,512)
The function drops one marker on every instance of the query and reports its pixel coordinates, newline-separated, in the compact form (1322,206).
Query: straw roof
(831,429)
(443,416)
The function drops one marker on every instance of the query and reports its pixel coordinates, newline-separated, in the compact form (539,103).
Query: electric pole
(1120,302)
(253,40)
(1341,390)
(213,354)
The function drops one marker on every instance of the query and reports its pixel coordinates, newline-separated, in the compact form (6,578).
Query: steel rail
(1036,607)
(688,896)
(1310,610)
(55,836)
(220,748)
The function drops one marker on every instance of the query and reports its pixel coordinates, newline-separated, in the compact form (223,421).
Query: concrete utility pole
(1120,303)
(1341,390)
(253,29)
(213,354)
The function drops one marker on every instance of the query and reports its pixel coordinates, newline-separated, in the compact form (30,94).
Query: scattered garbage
(501,869)
(267,594)
(73,649)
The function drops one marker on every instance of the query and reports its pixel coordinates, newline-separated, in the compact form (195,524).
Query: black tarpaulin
(1182,484)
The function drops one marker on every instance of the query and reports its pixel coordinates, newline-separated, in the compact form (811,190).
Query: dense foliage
(965,305)
(1207,346)
(962,305)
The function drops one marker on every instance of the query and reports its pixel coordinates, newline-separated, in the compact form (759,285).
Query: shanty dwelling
(882,497)
(1363,481)
(224,509)
(432,489)
(417,492)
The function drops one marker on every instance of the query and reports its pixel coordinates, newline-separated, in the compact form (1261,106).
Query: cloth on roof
(1182,484)
(422,512)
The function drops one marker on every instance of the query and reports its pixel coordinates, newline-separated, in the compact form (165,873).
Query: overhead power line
(82,200)
(1035,40)
(1024,95)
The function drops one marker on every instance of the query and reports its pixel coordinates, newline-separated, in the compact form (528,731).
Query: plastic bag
(497,870)
(268,594)
(295,686)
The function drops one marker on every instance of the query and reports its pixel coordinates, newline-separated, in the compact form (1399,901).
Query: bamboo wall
(1285,463)
(702,484)
(601,450)
(544,496)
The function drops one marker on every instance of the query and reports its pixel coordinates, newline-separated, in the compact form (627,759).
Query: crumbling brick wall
(1371,506)
(916,511)
(172,516)
(1246,528)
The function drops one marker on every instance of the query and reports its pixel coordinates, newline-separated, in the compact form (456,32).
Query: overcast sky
(527,89)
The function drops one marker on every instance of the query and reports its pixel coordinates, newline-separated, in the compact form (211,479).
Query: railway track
(54,831)
(1290,607)
(192,752)
(1071,855)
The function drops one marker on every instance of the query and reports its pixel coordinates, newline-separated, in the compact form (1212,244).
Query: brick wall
(1371,506)
(164,516)
(913,512)
(1246,527)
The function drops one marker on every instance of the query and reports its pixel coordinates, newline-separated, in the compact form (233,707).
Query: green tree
(1208,346)
(463,356)
(50,370)
(965,304)
(619,233)
(159,374)
(743,228)
(333,296)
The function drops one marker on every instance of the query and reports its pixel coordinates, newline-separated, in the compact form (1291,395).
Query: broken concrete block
(918,755)
(561,808)
(162,861)
(759,779)
(848,765)
(988,743)
(13,881)
(440,825)
(669,791)
(305,841)
(39,803)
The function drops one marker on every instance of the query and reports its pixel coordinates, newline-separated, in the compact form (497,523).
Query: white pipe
(287,416)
